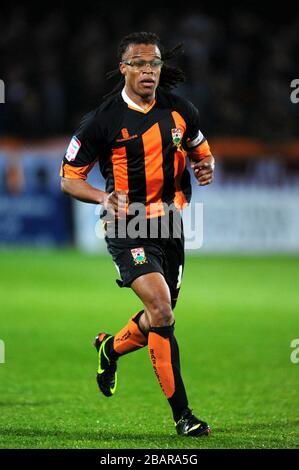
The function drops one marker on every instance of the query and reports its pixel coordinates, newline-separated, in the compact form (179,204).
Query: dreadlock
(170,76)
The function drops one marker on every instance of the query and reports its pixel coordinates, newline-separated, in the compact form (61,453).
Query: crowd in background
(239,68)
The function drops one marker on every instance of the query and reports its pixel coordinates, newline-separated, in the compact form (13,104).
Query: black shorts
(134,257)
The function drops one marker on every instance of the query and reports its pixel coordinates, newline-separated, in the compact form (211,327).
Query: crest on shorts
(138,256)
(177,134)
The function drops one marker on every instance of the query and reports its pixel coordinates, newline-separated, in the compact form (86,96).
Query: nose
(147,66)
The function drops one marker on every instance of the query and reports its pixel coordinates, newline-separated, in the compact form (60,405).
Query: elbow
(63,186)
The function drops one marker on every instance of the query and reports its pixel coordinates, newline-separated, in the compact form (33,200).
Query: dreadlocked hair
(170,76)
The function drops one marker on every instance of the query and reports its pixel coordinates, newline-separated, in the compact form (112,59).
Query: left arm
(204,170)
(202,162)
(197,147)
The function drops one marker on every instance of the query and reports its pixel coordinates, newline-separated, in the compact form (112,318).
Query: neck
(142,101)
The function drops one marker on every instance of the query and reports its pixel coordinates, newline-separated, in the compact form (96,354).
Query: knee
(160,313)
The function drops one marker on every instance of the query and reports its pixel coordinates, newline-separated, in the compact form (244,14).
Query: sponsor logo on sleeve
(73,149)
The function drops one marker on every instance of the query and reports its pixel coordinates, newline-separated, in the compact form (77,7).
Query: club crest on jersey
(73,149)
(138,256)
(177,135)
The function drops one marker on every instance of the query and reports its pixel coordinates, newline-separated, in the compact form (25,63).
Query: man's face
(142,81)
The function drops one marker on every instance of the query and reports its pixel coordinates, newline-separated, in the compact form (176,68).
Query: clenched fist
(115,203)
(204,170)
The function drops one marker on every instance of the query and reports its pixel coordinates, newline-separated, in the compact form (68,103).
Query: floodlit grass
(235,320)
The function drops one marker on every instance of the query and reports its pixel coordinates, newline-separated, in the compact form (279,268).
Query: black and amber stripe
(165,357)
(145,163)
(149,168)
(75,172)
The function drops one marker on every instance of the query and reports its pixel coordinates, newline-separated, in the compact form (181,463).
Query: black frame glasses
(140,63)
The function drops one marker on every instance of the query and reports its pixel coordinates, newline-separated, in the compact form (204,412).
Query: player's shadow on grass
(84,436)
(271,425)
(11,403)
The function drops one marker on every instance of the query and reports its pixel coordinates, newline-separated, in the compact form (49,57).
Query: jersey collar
(133,105)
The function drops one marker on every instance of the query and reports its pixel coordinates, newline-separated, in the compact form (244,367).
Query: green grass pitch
(235,320)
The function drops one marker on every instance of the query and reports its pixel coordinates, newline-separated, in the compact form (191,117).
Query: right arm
(79,189)
(83,191)
(79,159)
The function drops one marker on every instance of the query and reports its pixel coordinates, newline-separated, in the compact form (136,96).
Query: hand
(115,203)
(204,170)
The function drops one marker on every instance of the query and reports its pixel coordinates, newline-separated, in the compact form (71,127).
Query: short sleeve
(192,120)
(83,149)
(195,142)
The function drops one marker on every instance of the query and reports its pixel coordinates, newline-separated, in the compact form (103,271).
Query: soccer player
(141,136)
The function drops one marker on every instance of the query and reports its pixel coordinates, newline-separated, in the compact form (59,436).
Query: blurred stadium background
(239,63)
(239,68)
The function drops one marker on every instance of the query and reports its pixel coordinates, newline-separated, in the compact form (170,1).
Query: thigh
(174,257)
(151,288)
(153,291)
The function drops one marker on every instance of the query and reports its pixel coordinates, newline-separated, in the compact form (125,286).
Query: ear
(122,68)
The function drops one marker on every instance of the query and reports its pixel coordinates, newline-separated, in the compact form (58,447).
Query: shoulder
(108,107)
(99,119)
(110,104)
(180,104)
(185,107)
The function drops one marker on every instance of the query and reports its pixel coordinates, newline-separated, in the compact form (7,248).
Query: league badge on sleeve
(138,255)
(177,135)
(73,149)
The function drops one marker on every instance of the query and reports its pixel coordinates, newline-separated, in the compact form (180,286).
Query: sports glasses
(140,64)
